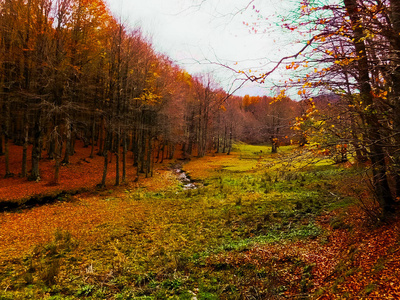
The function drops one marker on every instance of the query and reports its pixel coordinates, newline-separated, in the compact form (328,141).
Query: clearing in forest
(258,226)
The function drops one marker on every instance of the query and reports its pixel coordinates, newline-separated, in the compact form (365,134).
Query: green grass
(251,199)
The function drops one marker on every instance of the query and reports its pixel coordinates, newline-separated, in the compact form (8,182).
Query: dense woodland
(288,199)
(71,71)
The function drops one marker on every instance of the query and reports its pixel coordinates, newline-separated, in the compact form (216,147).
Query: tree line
(71,71)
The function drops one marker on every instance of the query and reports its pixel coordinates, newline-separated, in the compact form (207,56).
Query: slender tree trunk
(142,149)
(225,139)
(199,134)
(111,146)
(41,143)
(152,157)
(101,138)
(68,144)
(105,166)
(58,153)
(124,151)
(7,158)
(27,77)
(73,142)
(166,150)
(7,139)
(230,139)
(35,174)
(157,146)
(7,82)
(205,133)
(162,151)
(117,160)
(24,169)
(51,148)
(147,164)
(274,147)
(173,148)
(93,132)
(1,145)
(135,148)
(149,159)
(51,142)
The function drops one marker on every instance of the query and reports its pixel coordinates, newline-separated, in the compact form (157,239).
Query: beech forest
(124,176)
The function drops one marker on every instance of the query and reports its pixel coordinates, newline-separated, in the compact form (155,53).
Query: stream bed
(188,183)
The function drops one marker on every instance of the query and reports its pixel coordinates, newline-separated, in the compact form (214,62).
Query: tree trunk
(101,138)
(230,139)
(1,145)
(135,146)
(35,174)
(157,146)
(152,159)
(225,139)
(7,82)
(142,149)
(124,151)
(51,141)
(73,142)
(24,169)
(147,164)
(395,76)
(117,162)
(373,134)
(51,148)
(7,138)
(7,158)
(58,153)
(171,150)
(68,144)
(162,151)
(105,166)
(93,132)
(274,146)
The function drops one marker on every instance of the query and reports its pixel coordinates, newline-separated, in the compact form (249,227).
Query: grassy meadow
(259,226)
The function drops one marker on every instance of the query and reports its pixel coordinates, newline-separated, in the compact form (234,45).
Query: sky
(202,35)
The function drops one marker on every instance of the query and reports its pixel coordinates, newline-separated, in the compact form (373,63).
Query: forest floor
(259,226)
(82,173)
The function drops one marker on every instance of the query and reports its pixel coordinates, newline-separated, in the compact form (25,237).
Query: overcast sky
(193,32)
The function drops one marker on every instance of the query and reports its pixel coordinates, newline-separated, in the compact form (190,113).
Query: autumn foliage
(86,104)
(77,176)
(253,225)
(73,76)
(350,48)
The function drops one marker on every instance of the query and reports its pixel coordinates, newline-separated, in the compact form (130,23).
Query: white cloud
(213,31)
